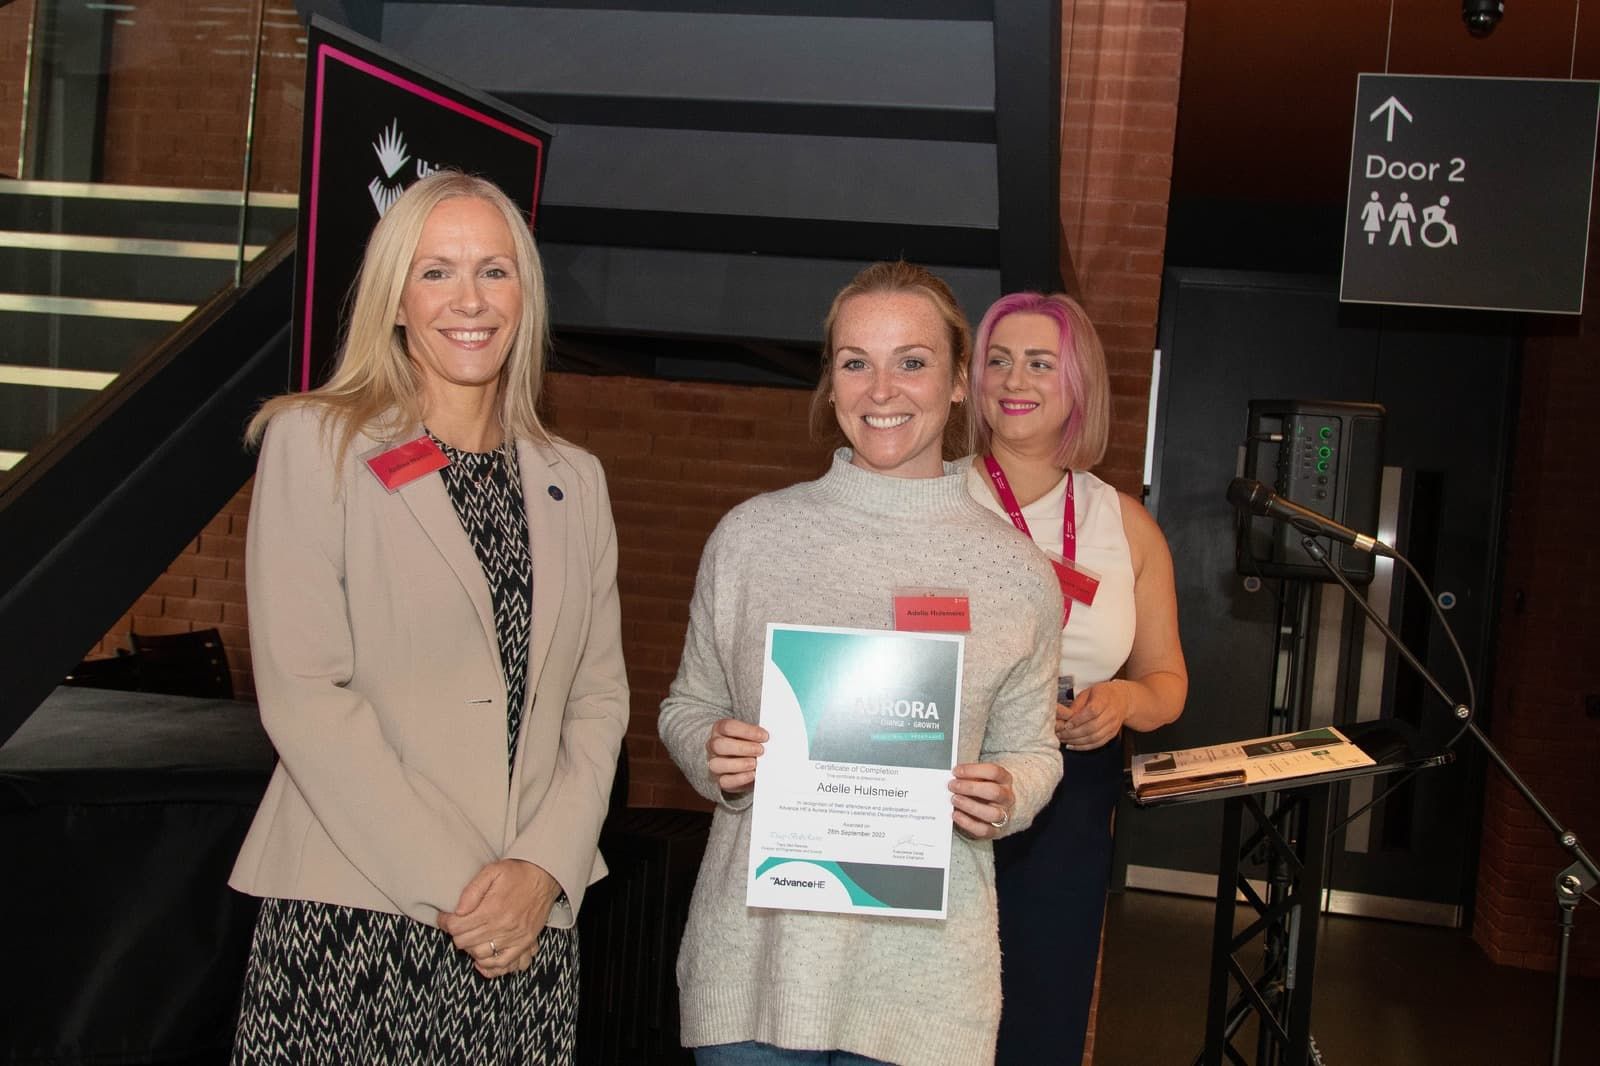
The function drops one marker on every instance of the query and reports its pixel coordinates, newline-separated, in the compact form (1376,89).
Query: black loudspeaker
(1326,456)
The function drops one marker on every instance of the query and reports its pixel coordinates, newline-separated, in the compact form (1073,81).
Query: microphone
(1250,495)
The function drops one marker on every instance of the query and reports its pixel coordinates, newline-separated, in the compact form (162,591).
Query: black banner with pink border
(375,123)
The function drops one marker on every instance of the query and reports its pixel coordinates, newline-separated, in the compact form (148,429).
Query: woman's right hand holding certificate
(731,753)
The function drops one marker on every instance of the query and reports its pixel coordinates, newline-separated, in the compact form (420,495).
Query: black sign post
(374,124)
(1470,192)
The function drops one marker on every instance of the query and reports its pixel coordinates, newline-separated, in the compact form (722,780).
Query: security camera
(1482,16)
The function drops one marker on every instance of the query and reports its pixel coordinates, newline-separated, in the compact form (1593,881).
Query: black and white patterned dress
(342,985)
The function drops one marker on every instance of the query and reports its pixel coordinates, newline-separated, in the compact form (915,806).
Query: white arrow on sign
(1392,106)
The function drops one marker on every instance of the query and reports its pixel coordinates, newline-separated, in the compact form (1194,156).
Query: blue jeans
(751,1053)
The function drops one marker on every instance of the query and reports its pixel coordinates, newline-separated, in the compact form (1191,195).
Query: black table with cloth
(120,816)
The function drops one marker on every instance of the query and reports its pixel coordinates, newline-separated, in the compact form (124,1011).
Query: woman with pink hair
(1040,419)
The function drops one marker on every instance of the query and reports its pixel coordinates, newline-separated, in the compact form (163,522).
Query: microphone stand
(1571,883)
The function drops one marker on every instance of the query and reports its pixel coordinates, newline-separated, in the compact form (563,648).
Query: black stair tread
(30,413)
(80,342)
(98,276)
(161,220)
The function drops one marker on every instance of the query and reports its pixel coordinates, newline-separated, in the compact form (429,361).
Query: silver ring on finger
(1005,819)
(494,952)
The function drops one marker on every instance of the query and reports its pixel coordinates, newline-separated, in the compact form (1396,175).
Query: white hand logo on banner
(392,155)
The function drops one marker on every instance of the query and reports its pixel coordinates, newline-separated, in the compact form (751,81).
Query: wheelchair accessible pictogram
(1434,217)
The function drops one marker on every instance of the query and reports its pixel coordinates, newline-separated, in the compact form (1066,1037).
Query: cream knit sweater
(831,552)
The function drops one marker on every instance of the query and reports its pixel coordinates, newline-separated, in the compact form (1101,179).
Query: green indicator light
(1324,451)
(1322,465)
(1325,432)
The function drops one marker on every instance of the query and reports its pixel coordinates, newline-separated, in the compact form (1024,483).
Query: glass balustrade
(148,150)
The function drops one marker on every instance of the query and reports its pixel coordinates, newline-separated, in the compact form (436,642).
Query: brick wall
(677,456)
(280,100)
(1121,61)
(203,587)
(14,20)
(176,98)
(1546,671)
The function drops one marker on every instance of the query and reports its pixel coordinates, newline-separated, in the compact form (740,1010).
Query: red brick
(234,636)
(173,585)
(223,547)
(195,610)
(161,626)
(608,444)
(190,564)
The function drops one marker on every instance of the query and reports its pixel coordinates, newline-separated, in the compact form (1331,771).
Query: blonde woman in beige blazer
(436,645)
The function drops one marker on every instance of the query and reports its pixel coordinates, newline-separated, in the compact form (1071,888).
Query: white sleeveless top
(1097,639)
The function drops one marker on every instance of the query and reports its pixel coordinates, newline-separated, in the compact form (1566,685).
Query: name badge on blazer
(399,466)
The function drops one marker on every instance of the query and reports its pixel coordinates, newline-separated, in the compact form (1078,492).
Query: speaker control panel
(1326,456)
(1308,462)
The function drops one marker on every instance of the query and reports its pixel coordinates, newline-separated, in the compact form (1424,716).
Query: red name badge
(932,614)
(1076,584)
(405,463)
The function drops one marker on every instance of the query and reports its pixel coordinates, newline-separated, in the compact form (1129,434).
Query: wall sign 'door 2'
(1470,192)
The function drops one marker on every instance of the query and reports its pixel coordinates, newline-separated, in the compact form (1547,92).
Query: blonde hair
(1083,376)
(894,277)
(375,387)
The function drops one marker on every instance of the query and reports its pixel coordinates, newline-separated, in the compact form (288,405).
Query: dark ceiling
(1268,97)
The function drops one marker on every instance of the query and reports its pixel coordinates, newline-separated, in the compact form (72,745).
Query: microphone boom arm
(1570,884)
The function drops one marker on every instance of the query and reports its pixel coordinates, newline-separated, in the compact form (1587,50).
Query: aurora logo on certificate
(852,808)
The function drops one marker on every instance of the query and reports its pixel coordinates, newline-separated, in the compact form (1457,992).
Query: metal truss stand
(1289,828)
(1293,835)
(1283,822)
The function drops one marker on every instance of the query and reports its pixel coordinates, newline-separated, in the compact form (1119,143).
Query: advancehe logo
(790,882)
(393,155)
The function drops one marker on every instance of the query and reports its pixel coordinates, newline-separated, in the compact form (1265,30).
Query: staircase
(93,275)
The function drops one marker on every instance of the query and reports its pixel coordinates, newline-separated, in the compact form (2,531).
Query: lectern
(1289,820)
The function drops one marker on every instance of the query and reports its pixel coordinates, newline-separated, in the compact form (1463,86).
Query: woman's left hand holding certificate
(981,792)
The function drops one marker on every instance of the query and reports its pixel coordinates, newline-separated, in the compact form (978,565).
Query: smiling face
(462,300)
(1025,399)
(894,379)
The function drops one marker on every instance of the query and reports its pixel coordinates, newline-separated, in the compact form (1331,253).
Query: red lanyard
(1069,523)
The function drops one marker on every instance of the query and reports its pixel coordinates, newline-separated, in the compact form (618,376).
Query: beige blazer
(378,675)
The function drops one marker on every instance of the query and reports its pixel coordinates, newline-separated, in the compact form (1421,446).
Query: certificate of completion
(852,804)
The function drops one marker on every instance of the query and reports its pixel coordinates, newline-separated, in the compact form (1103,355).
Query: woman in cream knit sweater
(779,986)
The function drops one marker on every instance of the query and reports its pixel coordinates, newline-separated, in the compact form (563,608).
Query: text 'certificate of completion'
(852,804)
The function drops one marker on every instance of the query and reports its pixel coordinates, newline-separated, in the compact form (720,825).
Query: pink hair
(1083,375)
